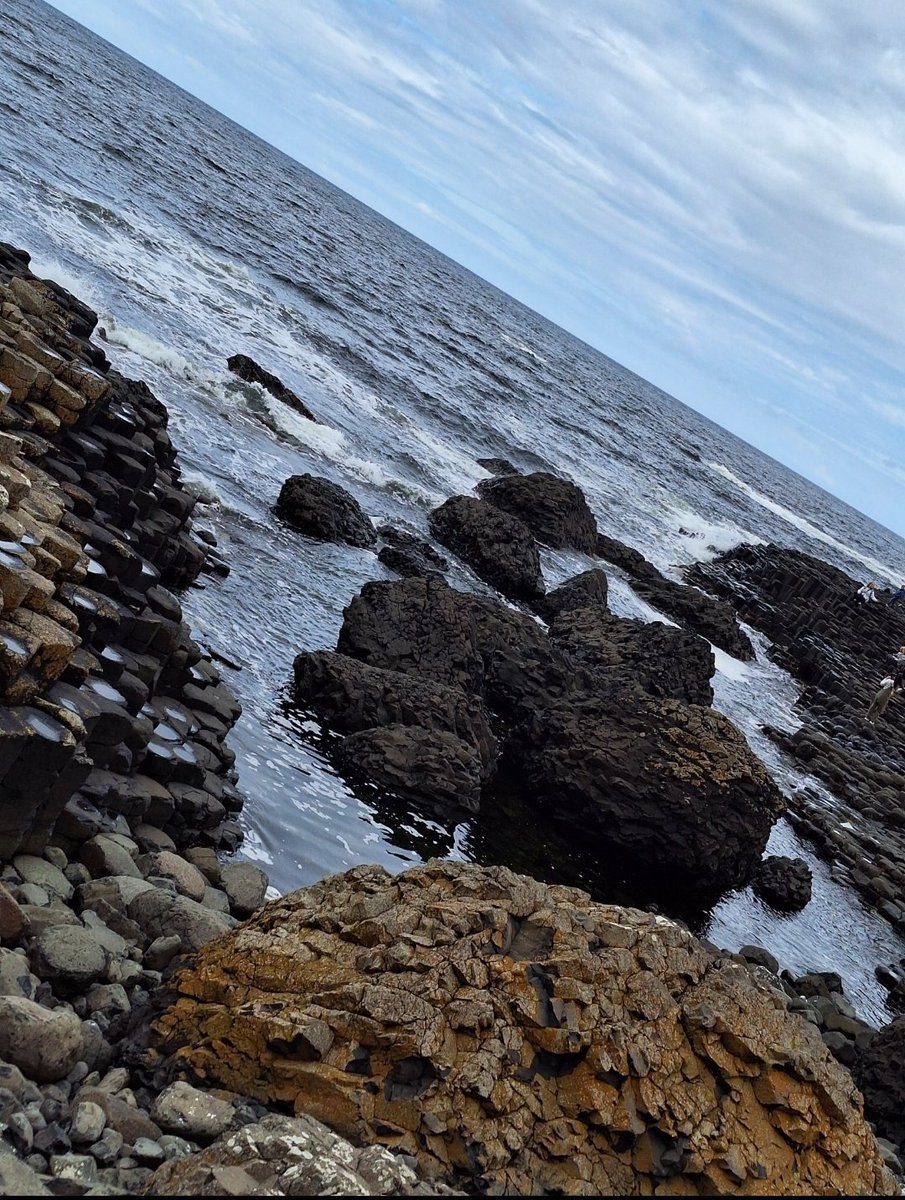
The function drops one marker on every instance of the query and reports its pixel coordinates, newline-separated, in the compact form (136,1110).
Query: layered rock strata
(516,1038)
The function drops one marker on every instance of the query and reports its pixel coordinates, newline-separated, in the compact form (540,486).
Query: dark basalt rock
(672,787)
(322,509)
(581,591)
(408,555)
(617,651)
(246,368)
(498,466)
(352,696)
(421,764)
(497,546)
(879,1072)
(554,509)
(784,883)
(631,561)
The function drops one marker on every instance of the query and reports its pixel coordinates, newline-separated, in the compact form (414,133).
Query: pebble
(88,1122)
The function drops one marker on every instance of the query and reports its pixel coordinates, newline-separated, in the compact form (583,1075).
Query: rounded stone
(44,1044)
(87,1122)
(69,956)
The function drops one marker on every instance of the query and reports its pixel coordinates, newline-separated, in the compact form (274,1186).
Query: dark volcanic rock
(581,591)
(324,510)
(879,1072)
(499,466)
(423,764)
(663,660)
(498,547)
(246,368)
(424,627)
(628,558)
(408,555)
(554,509)
(352,696)
(673,787)
(784,883)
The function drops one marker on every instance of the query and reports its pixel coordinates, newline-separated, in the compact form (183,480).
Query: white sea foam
(732,668)
(703,540)
(149,348)
(805,526)
(50,268)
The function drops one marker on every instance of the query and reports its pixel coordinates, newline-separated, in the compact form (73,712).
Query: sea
(194,240)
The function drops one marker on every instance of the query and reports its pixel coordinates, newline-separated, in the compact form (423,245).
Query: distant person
(898,662)
(896,597)
(879,703)
(867,593)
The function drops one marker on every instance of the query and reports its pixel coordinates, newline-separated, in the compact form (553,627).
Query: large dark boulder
(784,883)
(498,547)
(879,1072)
(631,561)
(407,554)
(554,509)
(351,696)
(420,764)
(581,591)
(324,510)
(426,628)
(672,788)
(711,618)
(661,659)
(246,368)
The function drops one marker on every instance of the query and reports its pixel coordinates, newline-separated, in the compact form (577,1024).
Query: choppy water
(195,240)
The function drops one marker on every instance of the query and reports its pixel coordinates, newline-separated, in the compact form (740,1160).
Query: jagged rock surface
(554,509)
(498,547)
(246,368)
(519,1038)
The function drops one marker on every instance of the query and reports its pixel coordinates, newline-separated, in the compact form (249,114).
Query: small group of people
(868,594)
(889,686)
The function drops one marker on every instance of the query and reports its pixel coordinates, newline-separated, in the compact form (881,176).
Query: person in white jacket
(888,686)
(867,593)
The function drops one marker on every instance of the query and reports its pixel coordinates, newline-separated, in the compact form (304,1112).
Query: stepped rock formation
(517,1038)
(554,509)
(498,547)
(105,699)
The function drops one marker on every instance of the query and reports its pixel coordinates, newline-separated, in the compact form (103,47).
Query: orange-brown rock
(521,1038)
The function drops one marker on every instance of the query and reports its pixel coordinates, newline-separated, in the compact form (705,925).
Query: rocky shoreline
(458,1028)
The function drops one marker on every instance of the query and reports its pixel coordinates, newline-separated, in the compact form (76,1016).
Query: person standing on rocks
(897,597)
(867,593)
(888,686)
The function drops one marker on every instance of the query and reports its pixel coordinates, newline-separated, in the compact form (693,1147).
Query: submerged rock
(322,509)
(498,547)
(520,1039)
(422,764)
(246,368)
(554,509)
(784,883)
(498,466)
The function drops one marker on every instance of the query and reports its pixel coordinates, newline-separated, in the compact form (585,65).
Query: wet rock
(589,589)
(18,1178)
(245,885)
(104,856)
(159,914)
(498,466)
(323,510)
(288,1156)
(161,952)
(184,1110)
(246,368)
(554,509)
(454,1012)
(880,1074)
(673,787)
(351,695)
(44,1044)
(631,561)
(408,555)
(87,1123)
(164,864)
(784,883)
(498,547)
(421,764)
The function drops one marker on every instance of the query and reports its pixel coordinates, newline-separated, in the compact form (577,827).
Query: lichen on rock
(520,1038)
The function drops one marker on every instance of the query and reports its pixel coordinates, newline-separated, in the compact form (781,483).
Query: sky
(713,194)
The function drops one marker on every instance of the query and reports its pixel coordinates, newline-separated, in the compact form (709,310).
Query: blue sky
(711,193)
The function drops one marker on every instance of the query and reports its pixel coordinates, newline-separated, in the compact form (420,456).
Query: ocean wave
(805,526)
(701,540)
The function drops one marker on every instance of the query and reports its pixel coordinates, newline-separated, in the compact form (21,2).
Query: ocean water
(194,240)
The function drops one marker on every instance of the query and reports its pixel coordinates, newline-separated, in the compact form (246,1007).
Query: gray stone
(150,838)
(14,1081)
(118,890)
(183,1109)
(147,1152)
(79,1168)
(215,899)
(31,893)
(107,1147)
(108,998)
(159,914)
(161,952)
(104,855)
(17,1178)
(55,855)
(43,1044)
(112,942)
(12,919)
(165,865)
(87,1123)
(20,1132)
(15,977)
(44,874)
(72,958)
(245,885)
(38,919)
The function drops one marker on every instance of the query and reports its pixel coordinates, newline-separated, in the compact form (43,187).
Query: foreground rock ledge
(520,1038)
